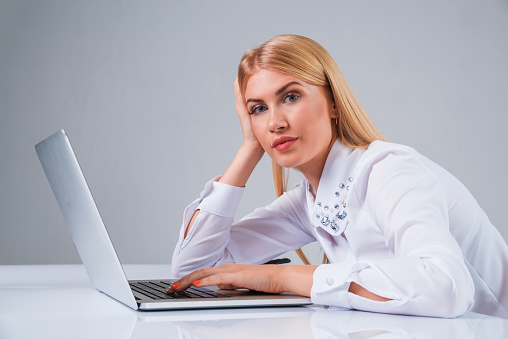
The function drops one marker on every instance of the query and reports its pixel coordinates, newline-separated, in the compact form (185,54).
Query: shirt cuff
(330,284)
(221,199)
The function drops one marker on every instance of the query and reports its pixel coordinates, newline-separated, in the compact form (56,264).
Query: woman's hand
(249,154)
(263,278)
(249,138)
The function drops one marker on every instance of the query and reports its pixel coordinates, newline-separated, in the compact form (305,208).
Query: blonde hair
(309,61)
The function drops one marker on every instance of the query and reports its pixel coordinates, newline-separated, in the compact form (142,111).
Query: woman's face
(291,119)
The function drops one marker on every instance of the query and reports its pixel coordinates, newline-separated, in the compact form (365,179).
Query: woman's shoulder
(383,161)
(382,151)
(379,147)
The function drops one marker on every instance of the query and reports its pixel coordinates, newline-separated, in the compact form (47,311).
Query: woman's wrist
(297,278)
(253,148)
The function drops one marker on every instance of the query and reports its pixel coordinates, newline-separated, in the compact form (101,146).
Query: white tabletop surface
(58,301)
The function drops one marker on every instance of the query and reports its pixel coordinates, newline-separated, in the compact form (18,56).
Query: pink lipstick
(284,142)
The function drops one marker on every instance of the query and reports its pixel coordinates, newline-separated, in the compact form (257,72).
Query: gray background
(144,89)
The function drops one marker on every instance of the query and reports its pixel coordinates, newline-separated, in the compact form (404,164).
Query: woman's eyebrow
(279,91)
(283,88)
(253,100)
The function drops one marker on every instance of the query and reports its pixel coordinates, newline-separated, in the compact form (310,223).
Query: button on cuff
(330,285)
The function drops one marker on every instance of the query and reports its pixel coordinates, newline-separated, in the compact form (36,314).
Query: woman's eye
(291,97)
(258,109)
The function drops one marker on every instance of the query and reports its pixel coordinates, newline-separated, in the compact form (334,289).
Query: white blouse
(387,218)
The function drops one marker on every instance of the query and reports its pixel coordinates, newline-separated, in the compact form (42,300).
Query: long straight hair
(309,61)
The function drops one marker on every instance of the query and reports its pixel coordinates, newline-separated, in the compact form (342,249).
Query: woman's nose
(278,121)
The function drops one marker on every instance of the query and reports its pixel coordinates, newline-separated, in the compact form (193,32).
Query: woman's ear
(335,111)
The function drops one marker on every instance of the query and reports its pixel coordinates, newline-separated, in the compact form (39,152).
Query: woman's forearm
(238,172)
(242,166)
(363,292)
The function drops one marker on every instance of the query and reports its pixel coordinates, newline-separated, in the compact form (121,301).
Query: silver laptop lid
(82,217)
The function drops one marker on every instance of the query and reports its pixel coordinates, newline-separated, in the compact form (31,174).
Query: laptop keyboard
(156,290)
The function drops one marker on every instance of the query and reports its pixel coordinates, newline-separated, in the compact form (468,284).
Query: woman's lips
(283,143)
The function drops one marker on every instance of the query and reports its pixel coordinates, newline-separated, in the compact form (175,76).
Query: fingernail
(197,282)
(175,285)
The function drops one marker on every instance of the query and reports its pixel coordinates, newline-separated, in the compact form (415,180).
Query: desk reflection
(320,322)
(52,314)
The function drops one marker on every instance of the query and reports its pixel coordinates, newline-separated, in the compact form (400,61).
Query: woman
(401,234)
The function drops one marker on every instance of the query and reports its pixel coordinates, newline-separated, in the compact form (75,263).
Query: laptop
(100,259)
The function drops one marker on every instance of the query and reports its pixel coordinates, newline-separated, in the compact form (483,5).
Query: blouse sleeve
(427,275)
(262,235)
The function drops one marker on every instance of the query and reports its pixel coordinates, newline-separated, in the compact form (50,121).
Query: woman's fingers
(227,287)
(223,280)
(225,277)
(265,278)
(240,103)
(195,278)
(249,138)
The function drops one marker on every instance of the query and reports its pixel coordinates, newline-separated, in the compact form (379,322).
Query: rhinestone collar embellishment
(332,216)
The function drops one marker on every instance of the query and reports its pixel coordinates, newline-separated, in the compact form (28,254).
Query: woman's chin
(286,163)
(286,160)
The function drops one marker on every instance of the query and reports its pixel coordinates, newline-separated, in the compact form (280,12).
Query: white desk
(58,301)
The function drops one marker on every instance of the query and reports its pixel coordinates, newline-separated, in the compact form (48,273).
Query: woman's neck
(313,171)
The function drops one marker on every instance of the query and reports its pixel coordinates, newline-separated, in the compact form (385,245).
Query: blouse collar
(329,209)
